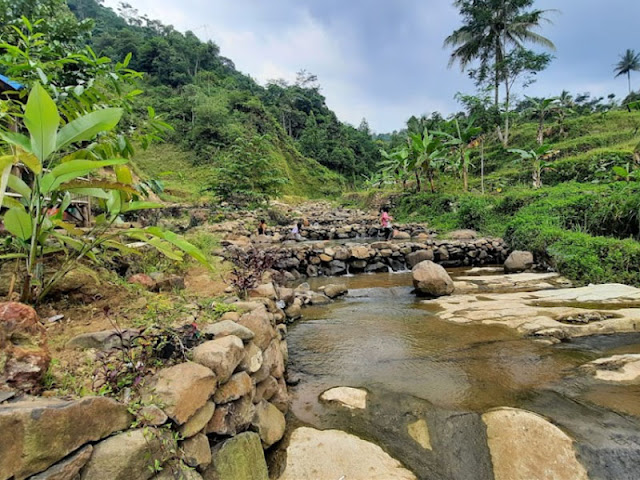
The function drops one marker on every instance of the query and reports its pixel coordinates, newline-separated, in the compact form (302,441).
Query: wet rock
(104,340)
(415,258)
(28,427)
(225,328)
(198,421)
(126,456)
(524,446)
(432,280)
(239,458)
(332,454)
(269,423)
(24,354)
(335,290)
(197,451)
(69,468)
(182,389)
(518,261)
(319,299)
(238,386)
(616,369)
(352,398)
(221,355)
(419,431)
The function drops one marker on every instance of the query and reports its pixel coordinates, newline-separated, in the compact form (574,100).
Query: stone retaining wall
(321,259)
(215,413)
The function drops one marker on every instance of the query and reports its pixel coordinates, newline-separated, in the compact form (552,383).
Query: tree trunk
(541,130)
(432,184)
(418,184)
(629,80)
(482,165)
(465,173)
(505,139)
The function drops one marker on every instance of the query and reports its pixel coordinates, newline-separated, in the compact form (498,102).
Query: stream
(381,338)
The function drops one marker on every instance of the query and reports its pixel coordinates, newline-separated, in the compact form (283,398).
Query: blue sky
(383,59)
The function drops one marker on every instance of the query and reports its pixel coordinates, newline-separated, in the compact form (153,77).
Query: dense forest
(218,113)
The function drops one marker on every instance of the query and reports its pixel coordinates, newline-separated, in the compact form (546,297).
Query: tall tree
(491,29)
(629,62)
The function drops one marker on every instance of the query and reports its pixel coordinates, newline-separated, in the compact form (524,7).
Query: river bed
(383,339)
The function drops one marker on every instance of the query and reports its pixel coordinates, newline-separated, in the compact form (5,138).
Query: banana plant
(539,157)
(425,152)
(396,165)
(461,144)
(34,217)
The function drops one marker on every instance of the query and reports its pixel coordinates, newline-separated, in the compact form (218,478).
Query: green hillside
(231,136)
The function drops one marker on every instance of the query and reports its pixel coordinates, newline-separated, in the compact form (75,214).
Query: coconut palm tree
(629,62)
(491,28)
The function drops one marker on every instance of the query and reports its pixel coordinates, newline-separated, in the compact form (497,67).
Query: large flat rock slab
(515,282)
(556,314)
(616,369)
(525,446)
(333,454)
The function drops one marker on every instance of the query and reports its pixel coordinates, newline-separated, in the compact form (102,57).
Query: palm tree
(629,62)
(491,27)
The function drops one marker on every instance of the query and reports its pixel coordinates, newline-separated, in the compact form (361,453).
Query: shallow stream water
(414,365)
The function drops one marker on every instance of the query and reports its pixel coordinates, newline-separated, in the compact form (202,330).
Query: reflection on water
(380,338)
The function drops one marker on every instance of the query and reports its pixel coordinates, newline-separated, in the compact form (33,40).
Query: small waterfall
(348,274)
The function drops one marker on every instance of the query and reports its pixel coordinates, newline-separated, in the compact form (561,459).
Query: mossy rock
(239,458)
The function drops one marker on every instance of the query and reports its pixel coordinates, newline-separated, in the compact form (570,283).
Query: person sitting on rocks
(295,231)
(385,222)
(262,228)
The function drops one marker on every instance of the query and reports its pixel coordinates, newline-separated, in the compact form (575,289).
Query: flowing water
(381,338)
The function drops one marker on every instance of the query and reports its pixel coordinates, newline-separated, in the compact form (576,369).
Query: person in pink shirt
(385,221)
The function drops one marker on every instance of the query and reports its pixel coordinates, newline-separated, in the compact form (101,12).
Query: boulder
(67,469)
(319,299)
(104,340)
(432,279)
(518,261)
(143,280)
(221,355)
(419,256)
(269,423)
(238,386)
(152,415)
(198,421)
(181,390)
(265,389)
(28,427)
(225,328)
(197,451)
(333,454)
(463,235)
(239,458)
(293,312)
(178,473)
(127,455)
(232,418)
(252,359)
(169,283)
(266,290)
(335,290)
(524,445)
(401,236)
(361,252)
(24,354)
(259,323)
(281,398)
(352,398)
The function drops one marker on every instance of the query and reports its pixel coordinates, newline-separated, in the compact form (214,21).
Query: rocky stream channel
(511,377)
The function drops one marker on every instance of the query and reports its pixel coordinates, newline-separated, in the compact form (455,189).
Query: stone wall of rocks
(217,413)
(321,259)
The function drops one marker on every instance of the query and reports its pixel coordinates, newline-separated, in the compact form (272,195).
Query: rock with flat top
(333,454)
(335,290)
(221,355)
(525,446)
(352,398)
(225,328)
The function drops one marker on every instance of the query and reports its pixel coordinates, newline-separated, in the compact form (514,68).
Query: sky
(383,60)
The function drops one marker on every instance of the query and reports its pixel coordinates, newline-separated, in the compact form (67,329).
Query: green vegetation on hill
(216,111)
